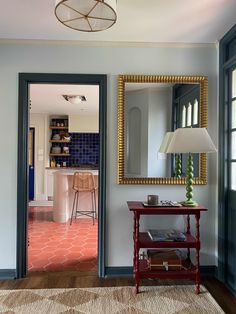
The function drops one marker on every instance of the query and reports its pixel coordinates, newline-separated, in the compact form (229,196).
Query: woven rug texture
(109,300)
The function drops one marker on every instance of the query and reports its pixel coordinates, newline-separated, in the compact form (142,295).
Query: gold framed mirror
(148,107)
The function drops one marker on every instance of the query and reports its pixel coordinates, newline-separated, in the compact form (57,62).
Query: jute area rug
(112,300)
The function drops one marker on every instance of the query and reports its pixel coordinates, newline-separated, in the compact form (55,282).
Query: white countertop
(69,172)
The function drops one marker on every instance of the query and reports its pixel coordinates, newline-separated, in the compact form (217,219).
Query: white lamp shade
(166,141)
(191,140)
(86,15)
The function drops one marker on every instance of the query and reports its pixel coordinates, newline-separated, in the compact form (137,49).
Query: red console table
(142,240)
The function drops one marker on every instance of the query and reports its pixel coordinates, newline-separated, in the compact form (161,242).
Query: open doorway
(63,140)
(26,80)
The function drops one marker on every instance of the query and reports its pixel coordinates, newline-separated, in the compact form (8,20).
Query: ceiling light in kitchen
(75,99)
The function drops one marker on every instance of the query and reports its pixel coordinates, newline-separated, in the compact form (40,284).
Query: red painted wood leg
(188,232)
(137,287)
(136,241)
(188,224)
(188,255)
(134,256)
(197,254)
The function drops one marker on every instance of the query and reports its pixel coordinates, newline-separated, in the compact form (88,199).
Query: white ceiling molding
(106,43)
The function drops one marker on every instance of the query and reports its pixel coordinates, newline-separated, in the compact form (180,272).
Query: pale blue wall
(65,58)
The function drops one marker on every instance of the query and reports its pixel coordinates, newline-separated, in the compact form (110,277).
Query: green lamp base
(189,203)
(189,184)
(177,166)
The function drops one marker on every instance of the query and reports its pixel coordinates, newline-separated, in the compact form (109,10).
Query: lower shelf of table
(145,272)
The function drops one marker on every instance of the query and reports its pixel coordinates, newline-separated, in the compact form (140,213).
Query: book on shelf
(164,259)
(166,235)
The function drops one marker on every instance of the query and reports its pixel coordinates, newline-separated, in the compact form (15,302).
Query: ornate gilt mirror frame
(122,79)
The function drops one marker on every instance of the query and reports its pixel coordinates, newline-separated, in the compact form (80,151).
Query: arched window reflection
(189,114)
(183,117)
(195,112)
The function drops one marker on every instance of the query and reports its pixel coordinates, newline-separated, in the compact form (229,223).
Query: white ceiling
(153,21)
(156,21)
(47,98)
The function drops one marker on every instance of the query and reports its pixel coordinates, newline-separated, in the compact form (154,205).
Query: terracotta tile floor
(60,246)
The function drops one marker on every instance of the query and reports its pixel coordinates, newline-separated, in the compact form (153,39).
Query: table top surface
(137,206)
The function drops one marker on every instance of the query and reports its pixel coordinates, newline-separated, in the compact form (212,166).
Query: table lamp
(163,149)
(190,140)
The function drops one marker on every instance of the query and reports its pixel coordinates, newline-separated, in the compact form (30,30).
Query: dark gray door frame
(25,79)
(227,52)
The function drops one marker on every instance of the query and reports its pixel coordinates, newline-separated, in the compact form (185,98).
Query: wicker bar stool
(84,182)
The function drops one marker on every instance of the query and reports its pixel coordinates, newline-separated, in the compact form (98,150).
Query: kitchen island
(64,194)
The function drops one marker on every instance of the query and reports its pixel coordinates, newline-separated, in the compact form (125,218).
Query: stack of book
(166,235)
(164,259)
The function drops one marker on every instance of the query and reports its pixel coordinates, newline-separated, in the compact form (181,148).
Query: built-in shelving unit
(59,141)
(58,127)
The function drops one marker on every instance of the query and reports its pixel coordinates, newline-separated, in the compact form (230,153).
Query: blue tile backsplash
(83,149)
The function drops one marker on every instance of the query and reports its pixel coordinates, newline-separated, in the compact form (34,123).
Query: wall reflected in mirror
(150,109)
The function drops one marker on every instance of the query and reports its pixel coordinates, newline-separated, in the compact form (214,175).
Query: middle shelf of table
(146,242)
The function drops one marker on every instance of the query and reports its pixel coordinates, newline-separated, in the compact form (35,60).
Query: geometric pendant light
(86,15)
(74,99)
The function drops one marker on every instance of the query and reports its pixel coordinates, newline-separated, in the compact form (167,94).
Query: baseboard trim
(127,271)
(7,274)
(231,289)
(210,270)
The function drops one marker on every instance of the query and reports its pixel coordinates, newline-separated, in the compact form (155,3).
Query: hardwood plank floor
(83,279)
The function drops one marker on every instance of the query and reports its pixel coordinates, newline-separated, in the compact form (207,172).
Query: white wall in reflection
(147,119)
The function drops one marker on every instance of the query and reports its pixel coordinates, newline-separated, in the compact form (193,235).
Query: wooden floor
(75,279)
